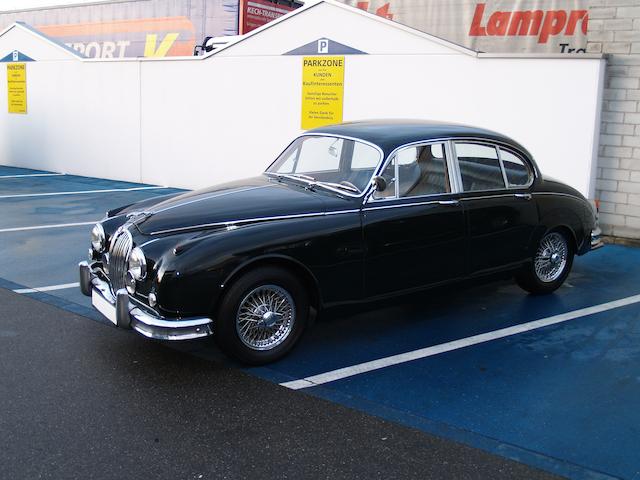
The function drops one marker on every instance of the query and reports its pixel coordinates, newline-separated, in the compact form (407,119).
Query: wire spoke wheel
(265,317)
(551,257)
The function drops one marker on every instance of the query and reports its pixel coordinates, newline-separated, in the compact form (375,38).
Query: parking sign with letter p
(323,45)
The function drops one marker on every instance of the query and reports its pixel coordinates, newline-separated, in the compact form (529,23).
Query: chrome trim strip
(452,201)
(559,194)
(253,220)
(415,204)
(481,197)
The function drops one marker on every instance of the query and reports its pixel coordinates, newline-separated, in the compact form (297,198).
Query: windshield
(332,162)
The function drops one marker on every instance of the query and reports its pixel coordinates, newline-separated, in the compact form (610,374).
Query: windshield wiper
(301,175)
(292,176)
(341,186)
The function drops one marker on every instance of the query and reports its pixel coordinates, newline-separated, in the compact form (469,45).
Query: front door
(414,230)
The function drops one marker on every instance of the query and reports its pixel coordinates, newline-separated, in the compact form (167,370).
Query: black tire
(261,281)
(533,281)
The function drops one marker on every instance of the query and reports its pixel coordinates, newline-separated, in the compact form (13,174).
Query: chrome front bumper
(123,312)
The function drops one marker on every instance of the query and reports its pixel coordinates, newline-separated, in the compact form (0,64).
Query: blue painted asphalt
(564,398)
(7,170)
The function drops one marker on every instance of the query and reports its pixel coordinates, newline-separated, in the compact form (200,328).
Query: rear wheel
(551,264)
(262,316)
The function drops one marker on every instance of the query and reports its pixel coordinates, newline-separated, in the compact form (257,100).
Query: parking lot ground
(561,395)
(82,400)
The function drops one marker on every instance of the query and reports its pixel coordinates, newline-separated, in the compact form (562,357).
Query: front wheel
(262,316)
(550,267)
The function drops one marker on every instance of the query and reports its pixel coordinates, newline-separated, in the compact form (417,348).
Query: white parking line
(34,175)
(40,227)
(47,289)
(80,192)
(353,370)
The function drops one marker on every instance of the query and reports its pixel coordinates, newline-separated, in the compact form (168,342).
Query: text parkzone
(323,63)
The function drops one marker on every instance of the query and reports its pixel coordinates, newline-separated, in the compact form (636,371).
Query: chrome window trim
(454,168)
(504,172)
(487,143)
(391,157)
(369,185)
(455,173)
(253,220)
(526,164)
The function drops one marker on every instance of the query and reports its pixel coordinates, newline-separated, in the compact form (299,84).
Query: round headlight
(97,238)
(137,264)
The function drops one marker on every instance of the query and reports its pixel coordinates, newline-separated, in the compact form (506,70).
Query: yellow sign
(17,87)
(322,91)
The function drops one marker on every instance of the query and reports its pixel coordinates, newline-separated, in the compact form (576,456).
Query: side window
(320,154)
(516,170)
(421,170)
(479,167)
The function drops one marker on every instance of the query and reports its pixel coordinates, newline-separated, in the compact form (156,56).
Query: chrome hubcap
(551,257)
(265,317)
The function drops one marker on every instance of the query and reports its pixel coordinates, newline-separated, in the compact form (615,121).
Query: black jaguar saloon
(347,213)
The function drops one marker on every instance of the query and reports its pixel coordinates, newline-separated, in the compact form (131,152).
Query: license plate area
(103,306)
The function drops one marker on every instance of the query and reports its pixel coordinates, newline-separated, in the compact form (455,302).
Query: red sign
(540,23)
(255,13)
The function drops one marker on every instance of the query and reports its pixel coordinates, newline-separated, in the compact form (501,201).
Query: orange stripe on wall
(184,48)
(118,26)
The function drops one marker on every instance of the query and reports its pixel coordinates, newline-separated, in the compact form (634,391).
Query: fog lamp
(130,283)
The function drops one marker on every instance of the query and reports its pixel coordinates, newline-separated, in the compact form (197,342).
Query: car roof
(391,134)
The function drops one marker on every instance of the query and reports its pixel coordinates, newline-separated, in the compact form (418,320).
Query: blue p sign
(323,45)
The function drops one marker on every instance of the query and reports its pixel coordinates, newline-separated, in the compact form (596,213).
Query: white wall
(194,122)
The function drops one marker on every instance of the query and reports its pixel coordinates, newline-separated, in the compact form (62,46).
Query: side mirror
(379,183)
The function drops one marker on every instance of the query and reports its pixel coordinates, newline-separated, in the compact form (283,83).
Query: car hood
(256,199)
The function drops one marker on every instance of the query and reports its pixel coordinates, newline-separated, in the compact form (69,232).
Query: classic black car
(347,213)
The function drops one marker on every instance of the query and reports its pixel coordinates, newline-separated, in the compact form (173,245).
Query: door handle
(525,196)
(449,202)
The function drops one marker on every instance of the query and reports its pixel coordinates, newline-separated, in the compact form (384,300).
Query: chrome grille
(121,246)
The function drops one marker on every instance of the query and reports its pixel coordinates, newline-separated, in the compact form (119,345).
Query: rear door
(414,230)
(501,214)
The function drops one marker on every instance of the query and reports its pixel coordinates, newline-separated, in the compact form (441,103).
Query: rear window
(479,167)
(515,169)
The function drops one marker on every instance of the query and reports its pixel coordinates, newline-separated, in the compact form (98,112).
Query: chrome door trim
(399,205)
(230,223)
(561,195)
